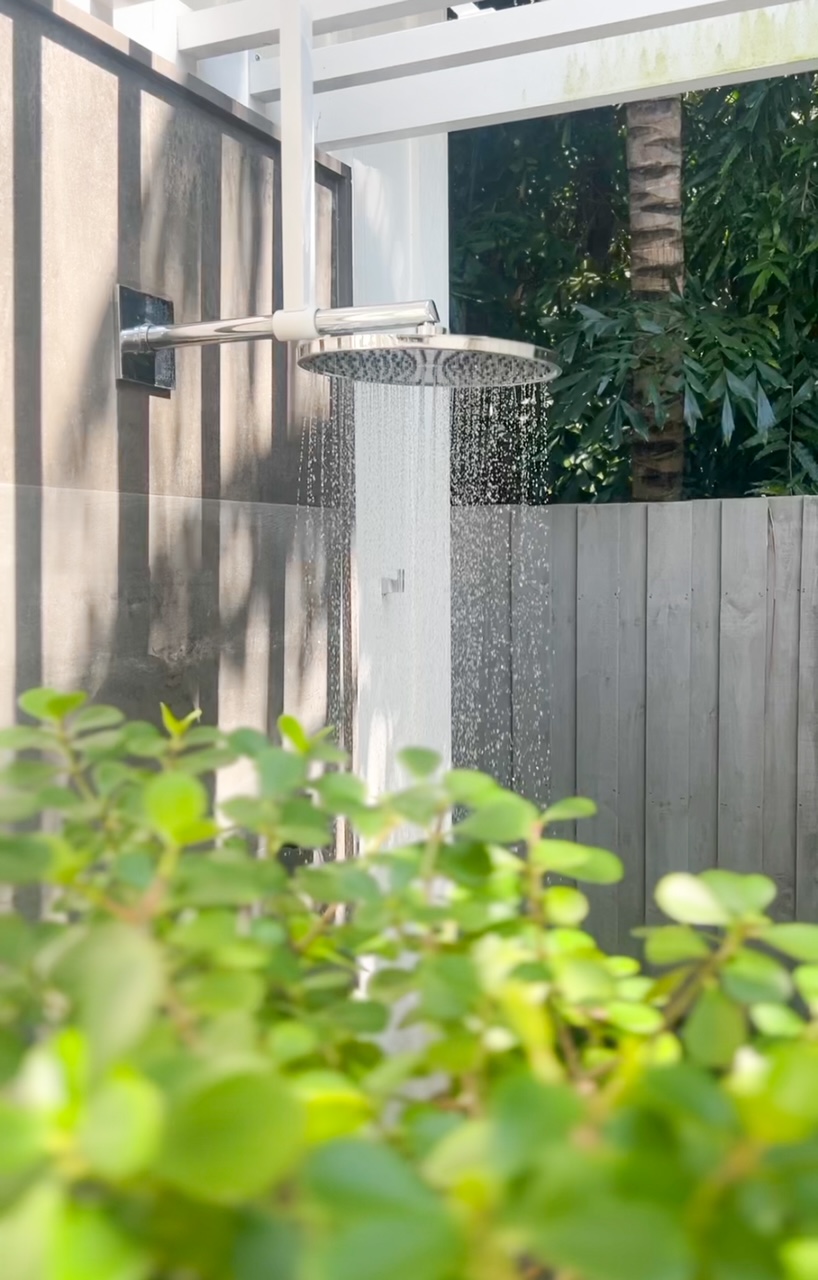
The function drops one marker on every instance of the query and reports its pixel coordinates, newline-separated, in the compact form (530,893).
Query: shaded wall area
(150,546)
(671,651)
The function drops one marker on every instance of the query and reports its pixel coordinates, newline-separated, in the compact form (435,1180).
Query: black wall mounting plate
(154,370)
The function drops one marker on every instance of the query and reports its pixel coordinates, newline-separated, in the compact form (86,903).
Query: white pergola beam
(748,45)
(529,29)
(251,24)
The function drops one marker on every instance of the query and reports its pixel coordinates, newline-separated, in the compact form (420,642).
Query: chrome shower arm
(282,325)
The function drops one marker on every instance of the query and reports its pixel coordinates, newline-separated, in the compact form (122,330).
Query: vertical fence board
(806,872)
(633,556)
(481,643)
(668,692)
(562,535)
(598,691)
(530,651)
(705,598)
(781,711)
(741,683)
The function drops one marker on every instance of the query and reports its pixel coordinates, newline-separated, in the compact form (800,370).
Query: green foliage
(540,217)
(201,1067)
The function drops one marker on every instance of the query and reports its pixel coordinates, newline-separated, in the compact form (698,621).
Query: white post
(297,156)
(402,511)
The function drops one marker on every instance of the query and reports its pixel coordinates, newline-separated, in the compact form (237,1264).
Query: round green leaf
(471,788)
(25,859)
(715,1030)
(97,717)
(800,1258)
(740,895)
(688,899)
(583,862)
(797,940)
(49,704)
(777,1020)
(674,944)
(564,905)
(120,1132)
(806,981)
(420,762)
(504,820)
(23,1139)
(639,1019)
(232,1139)
(334,1106)
(87,1242)
(281,773)
(174,802)
(570,810)
(752,977)
(115,976)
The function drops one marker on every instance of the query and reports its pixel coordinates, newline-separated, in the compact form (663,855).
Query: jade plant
(413,1065)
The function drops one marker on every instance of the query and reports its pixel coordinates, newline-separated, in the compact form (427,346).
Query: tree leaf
(728,422)
(121,1130)
(581,861)
(115,976)
(715,1029)
(741,895)
(800,941)
(178,728)
(420,762)
(502,821)
(777,1020)
(570,810)
(674,944)
(688,900)
(281,773)
(765,415)
(26,859)
(49,704)
(232,1139)
(565,906)
(174,802)
(291,730)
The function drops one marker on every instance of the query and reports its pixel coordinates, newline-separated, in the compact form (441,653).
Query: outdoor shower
(401,344)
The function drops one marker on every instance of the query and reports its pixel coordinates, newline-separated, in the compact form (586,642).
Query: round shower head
(427,360)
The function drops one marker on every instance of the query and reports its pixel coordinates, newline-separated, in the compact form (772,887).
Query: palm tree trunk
(657,268)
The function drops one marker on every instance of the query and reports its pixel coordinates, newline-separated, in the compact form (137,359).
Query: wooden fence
(671,652)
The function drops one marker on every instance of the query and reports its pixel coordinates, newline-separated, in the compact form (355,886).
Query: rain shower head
(430,359)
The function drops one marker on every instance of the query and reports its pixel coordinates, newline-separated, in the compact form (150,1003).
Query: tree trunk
(657,268)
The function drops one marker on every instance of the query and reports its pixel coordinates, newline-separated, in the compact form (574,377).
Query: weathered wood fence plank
(781,713)
(598,692)
(742,679)
(705,597)
(667,832)
(806,870)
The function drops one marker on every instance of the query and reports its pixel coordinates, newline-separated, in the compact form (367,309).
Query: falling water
(500,586)
(401,446)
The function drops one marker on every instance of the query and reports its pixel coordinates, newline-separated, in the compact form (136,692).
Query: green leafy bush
(416,1065)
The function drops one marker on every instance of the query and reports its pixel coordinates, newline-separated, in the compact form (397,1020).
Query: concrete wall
(149,546)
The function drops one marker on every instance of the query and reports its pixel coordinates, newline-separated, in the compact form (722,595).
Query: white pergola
(391,79)
(392,69)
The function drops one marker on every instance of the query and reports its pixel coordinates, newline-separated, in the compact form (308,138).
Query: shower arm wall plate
(395,586)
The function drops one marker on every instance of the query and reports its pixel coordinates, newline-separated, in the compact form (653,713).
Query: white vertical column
(400,221)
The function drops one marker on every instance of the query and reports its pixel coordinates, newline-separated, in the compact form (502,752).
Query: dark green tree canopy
(540,252)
